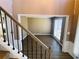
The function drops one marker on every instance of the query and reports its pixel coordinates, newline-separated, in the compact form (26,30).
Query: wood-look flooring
(4,54)
(56,50)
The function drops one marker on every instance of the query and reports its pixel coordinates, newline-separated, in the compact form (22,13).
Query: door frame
(62,29)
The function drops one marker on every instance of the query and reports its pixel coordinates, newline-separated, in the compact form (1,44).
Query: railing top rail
(29,32)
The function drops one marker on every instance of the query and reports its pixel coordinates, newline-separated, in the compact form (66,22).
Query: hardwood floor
(56,51)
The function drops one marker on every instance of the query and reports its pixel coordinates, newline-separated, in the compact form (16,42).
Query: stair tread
(13,58)
(3,54)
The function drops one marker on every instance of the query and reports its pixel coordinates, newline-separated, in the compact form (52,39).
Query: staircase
(34,50)
(10,34)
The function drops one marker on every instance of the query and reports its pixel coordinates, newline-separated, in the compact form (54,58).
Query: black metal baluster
(12,35)
(49,52)
(2,27)
(17,37)
(45,54)
(36,50)
(22,42)
(41,52)
(27,49)
(32,47)
(7,29)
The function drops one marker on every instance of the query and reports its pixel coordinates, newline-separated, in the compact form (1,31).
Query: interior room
(53,26)
(39,29)
(50,30)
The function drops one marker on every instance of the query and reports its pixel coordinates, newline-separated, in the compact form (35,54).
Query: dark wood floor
(56,51)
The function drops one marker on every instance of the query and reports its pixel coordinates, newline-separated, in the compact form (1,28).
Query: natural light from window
(57,28)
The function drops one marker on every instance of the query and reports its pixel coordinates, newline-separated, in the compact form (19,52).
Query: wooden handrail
(29,32)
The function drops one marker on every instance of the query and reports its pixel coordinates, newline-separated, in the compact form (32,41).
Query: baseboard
(40,34)
(57,40)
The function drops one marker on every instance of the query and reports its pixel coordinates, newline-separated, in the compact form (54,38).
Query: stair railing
(44,50)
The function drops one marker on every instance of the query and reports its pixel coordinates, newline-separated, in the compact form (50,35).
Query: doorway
(66,17)
(58,26)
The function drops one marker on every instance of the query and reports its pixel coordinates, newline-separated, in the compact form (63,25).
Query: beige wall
(24,21)
(43,7)
(7,5)
(54,7)
(37,25)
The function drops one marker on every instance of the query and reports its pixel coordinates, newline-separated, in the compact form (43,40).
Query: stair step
(4,54)
(13,58)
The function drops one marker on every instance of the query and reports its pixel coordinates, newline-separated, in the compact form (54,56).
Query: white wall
(37,25)
(7,5)
(24,22)
(76,45)
(73,48)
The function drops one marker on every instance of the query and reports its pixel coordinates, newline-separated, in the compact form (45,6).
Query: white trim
(40,34)
(19,27)
(65,35)
(41,16)
(57,40)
